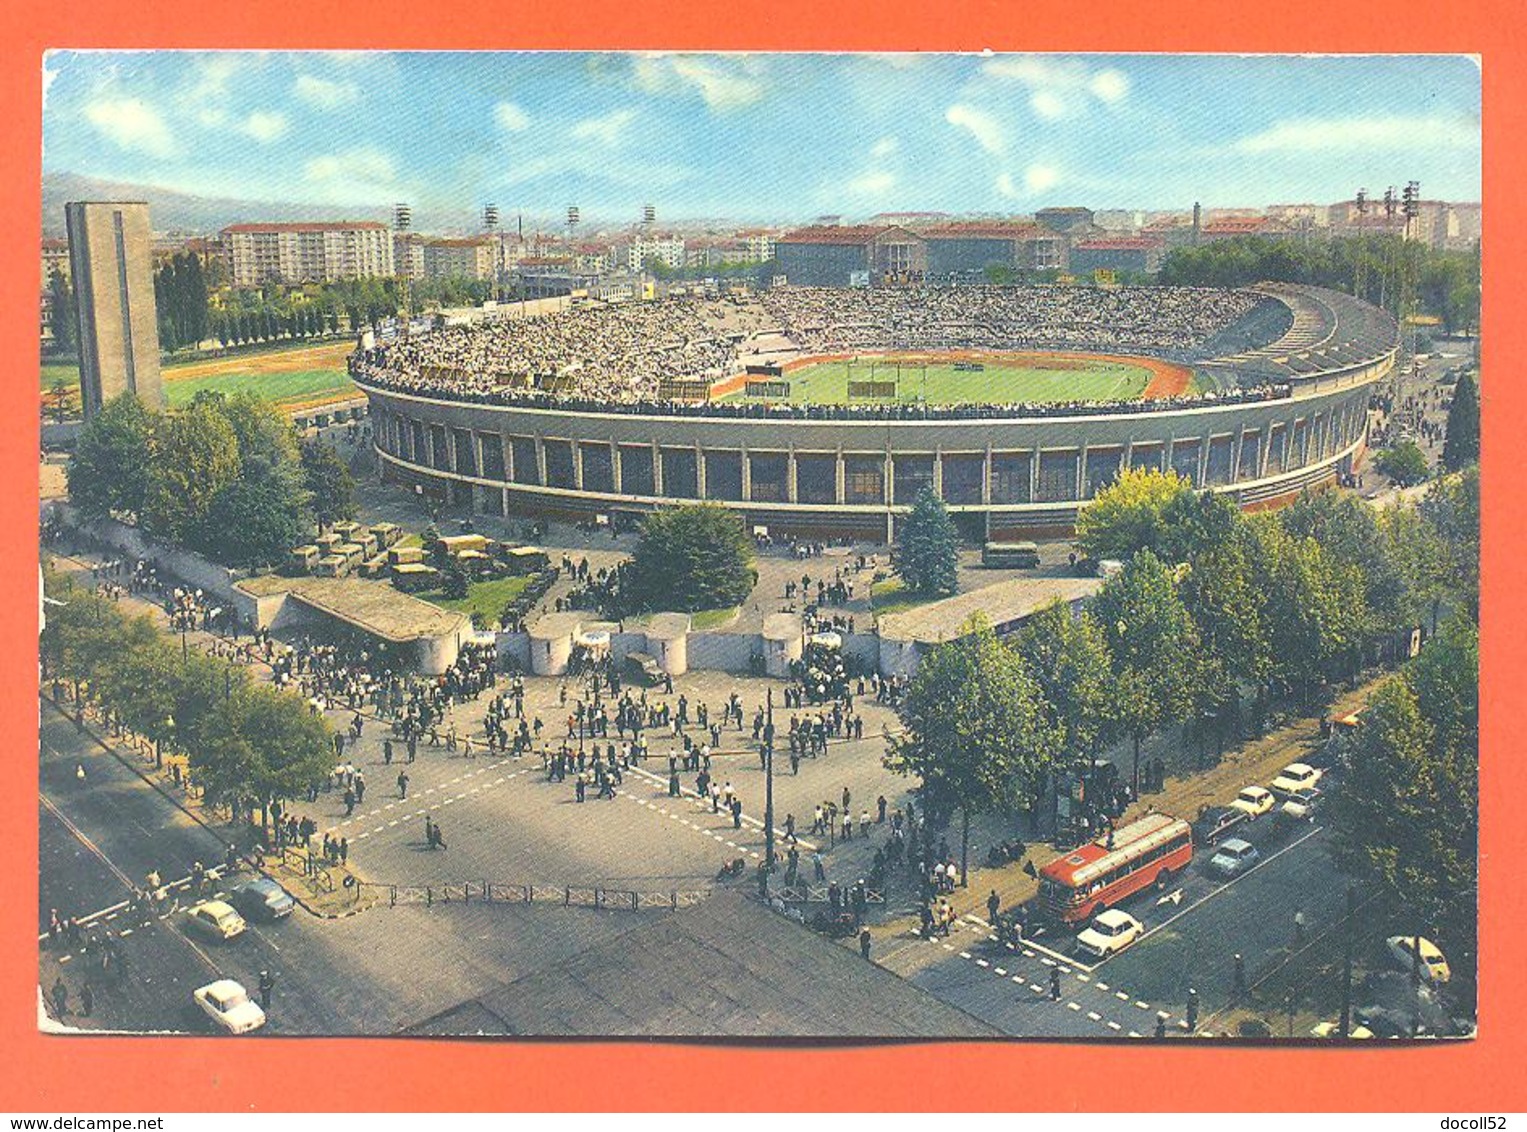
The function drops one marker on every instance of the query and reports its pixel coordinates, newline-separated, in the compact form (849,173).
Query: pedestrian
(344,850)
(402,784)
(1298,927)
(993,906)
(880,805)
(864,942)
(736,813)
(1161,1023)
(387,751)
(1192,1009)
(1054,985)
(266,985)
(60,997)
(87,999)
(349,802)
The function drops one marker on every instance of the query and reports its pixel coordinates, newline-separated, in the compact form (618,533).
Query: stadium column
(839,480)
(887,488)
(1203,462)
(615,476)
(700,471)
(790,471)
(540,460)
(1081,472)
(508,450)
(657,469)
(747,475)
(1034,458)
(1128,459)
(577,451)
(1236,440)
(938,471)
(986,478)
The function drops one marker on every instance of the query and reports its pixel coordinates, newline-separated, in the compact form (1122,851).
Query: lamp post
(768,866)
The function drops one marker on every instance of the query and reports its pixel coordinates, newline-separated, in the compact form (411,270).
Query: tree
(1461,447)
(975,729)
(453,580)
(62,312)
(926,556)
(329,482)
(689,558)
(109,471)
(251,522)
(1312,608)
(1405,463)
(1220,594)
(196,458)
(1407,815)
(1129,515)
(1451,508)
(1152,646)
(1068,656)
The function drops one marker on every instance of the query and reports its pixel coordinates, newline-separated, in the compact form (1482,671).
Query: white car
(1434,968)
(1254,800)
(215,920)
(228,1004)
(1111,931)
(1295,778)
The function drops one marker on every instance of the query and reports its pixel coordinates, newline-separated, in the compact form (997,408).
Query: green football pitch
(939,383)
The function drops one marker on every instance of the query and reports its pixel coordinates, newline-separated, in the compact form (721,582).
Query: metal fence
(813,894)
(569,896)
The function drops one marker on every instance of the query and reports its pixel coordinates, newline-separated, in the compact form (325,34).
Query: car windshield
(1249,795)
(227,1000)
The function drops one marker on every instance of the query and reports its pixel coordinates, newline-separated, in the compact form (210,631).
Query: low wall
(724,652)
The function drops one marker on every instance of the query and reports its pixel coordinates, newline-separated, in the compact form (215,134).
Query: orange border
(196,1075)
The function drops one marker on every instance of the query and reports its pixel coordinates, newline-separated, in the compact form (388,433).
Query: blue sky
(763,136)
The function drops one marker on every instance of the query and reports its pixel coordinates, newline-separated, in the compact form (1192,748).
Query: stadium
(825,411)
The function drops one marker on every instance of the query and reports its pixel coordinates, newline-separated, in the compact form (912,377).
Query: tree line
(247,745)
(1384,270)
(1214,618)
(226,476)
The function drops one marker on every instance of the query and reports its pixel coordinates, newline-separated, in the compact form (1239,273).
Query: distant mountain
(172,211)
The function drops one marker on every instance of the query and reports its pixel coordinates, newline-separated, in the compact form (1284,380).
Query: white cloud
(213,75)
(872,183)
(982,126)
(1394,133)
(131,123)
(325,93)
(884,147)
(264,126)
(724,83)
(606,130)
(511,116)
(353,165)
(1038,178)
(1111,86)
(1058,87)
(212,116)
(1047,104)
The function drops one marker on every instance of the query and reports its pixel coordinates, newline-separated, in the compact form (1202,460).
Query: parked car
(1110,932)
(1434,968)
(215,920)
(1254,801)
(260,898)
(1216,822)
(1301,805)
(1234,857)
(1296,776)
(228,1004)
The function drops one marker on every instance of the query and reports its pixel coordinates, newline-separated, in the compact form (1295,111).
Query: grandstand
(1282,376)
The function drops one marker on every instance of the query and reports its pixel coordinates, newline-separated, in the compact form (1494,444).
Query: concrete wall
(724,652)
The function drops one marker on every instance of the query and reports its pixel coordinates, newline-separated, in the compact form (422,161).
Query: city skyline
(717,135)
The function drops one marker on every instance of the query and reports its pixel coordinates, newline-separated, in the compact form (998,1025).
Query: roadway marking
(1073,1006)
(1094,1016)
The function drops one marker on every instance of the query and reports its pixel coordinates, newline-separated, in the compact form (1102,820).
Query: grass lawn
(299,385)
(1034,380)
(487,598)
(712,618)
(54,371)
(890,596)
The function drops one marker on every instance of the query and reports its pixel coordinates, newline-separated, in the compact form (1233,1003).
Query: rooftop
(1002,603)
(835,234)
(1119,244)
(373,607)
(308,226)
(747,972)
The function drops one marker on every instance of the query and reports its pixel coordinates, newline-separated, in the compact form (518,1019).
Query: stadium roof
(308,226)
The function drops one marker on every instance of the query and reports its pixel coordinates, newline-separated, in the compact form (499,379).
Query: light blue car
(1234,857)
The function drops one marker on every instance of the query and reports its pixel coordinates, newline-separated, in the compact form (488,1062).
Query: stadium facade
(1291,414)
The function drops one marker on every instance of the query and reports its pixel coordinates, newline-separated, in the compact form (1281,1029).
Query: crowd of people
(620,357)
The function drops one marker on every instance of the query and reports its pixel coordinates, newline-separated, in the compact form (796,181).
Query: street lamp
(768,865)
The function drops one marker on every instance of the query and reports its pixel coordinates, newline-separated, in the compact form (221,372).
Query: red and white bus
(1103,872)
